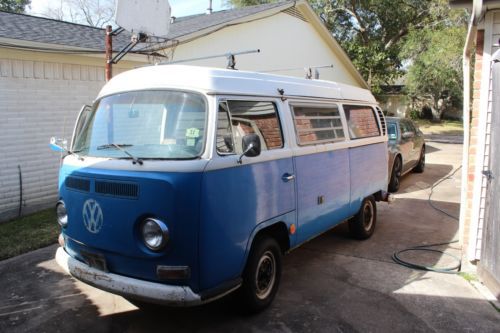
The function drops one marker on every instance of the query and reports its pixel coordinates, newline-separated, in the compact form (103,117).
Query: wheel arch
(400,156)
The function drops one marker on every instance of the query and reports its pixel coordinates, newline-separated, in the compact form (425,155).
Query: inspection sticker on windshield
(192,133)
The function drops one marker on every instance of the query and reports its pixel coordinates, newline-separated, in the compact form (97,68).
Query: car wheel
(262,275)
(395,181)
(419,168)
(362,225)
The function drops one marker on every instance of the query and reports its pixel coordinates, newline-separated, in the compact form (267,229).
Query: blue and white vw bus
(183,184)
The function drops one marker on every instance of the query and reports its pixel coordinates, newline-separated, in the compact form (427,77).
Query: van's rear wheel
(362,225)
(262,275)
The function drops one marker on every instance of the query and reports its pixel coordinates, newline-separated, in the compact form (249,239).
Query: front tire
(362,225)
(262,275)
(421,162)
(395,181)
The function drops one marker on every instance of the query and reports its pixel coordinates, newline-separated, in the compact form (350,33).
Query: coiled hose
(429,248)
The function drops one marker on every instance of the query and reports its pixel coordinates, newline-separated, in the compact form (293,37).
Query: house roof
(28,32)
(49,31)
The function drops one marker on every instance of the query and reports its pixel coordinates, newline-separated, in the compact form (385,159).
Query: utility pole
(109,53)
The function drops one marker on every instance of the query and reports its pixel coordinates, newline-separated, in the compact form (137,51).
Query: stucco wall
(285,42)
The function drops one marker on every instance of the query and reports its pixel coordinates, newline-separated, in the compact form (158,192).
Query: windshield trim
(194,92)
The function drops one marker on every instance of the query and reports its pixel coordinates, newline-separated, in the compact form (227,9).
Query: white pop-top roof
(225,81)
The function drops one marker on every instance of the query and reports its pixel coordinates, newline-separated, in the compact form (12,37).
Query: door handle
(287,177)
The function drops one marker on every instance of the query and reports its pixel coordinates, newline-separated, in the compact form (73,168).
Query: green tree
(435,56)
(14,6)
(372,32)
(244,3)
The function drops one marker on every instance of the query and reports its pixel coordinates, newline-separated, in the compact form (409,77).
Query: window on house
(239,118)
(318,124)
(361,121)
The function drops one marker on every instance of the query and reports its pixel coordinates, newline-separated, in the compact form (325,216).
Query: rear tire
(421,162)
(395,181)
(262,275)
(362,225)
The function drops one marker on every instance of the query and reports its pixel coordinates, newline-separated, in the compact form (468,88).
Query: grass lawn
(28,233)
(445,127)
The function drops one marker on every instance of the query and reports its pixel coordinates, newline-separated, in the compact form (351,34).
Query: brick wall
(269,128)
(476,94)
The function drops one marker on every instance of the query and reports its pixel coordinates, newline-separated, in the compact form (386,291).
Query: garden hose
(428,248)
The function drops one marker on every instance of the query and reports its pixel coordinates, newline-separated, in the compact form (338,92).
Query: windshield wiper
(135,160)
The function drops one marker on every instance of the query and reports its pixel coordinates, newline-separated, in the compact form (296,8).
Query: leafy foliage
(14,6)
(244,3)
(436,62)
(372,32)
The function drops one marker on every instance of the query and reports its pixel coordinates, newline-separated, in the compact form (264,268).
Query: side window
(225,143)
(411,127)
(318,124)
(361,121)
(405,127)
(239,118)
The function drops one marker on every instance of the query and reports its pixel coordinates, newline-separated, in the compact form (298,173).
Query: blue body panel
(368,166)
(327,175)
(235,201)
(171,197)
(214,215)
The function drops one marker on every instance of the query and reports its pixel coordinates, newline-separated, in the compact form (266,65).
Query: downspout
(469,45)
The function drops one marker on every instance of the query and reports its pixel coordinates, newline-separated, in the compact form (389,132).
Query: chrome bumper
(128,287)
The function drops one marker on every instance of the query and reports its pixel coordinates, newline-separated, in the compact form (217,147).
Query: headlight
(155,234)
(62,214)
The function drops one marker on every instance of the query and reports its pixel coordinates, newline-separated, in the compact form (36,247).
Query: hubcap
(265,275)
(368,215)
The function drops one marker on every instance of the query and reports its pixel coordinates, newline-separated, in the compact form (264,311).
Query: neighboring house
(49,68)
(480,204)
(393,101)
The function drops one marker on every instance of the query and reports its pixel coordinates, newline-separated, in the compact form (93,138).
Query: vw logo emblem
(92,216)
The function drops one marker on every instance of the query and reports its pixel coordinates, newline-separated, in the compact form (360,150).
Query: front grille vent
(382,121)
(78,184)
(128,190)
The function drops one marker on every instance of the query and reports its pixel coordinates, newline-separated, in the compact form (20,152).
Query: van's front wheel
(362,225)
(262,275)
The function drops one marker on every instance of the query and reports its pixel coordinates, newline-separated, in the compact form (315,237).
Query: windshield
(145,124)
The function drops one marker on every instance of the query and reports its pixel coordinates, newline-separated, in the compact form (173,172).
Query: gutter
(477,13)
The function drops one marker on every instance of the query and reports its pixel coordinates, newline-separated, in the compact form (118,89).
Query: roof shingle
(50,31)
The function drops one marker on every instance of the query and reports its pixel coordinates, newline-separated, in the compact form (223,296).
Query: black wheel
(362,225)
(262,275)
(421,162)
(395,181)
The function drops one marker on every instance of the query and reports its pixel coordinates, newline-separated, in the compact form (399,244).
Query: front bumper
(128,287)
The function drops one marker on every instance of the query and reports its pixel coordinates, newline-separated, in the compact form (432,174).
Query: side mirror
(59,145)
(251,146)
(408,135)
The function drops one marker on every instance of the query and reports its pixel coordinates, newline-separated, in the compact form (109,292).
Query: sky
(179,7)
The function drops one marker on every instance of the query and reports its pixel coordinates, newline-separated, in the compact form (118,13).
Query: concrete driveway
(332,283)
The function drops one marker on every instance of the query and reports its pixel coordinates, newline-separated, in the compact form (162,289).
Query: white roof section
(225,81)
